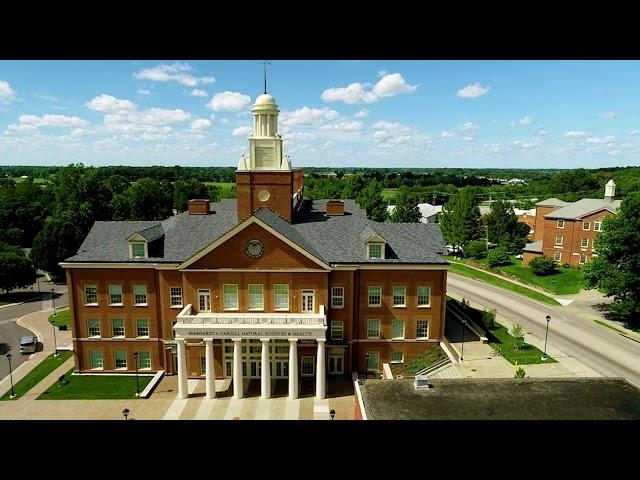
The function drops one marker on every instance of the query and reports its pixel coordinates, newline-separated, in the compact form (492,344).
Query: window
(424,296)
(336,329)
(138,250)
(375,251)
(307,366)
(140,294)
(399,296)
(584,243)
(228,367)
(115,294)
(583,259)
(422,329)
(397,357)
(230,292)
(372,360)
(337,297)
(117,327)
(557,256)
(121,360)
(586,225)
(281,296)
(204,300)
(142,327)
(559,239)
(397,328)
(144,360)
(94,327)
(560,224)
(175,296)
(597,226)
(203,365)
(375,296)
(91,295)
(373,328)
(256,298)
(96,360)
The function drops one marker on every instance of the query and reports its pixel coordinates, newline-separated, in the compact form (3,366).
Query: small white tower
(610,191)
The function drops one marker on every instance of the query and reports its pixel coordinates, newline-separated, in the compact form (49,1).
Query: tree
(16,271)
(504,229)
(406,209)
(573,181)
(60,238)
(460,220)
(616,269)
(353,185)
(498,256)
(150,199)
(518,333)
(371,200)
(475,249)
(543,265)
(185,191)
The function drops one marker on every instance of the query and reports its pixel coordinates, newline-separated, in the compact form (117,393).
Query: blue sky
(519,114)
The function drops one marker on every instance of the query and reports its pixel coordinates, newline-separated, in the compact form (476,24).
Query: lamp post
(135,354)
(463,325)
(544,354)
(13,393)
(332,412)
(55,343)
(125,412)
(53,302)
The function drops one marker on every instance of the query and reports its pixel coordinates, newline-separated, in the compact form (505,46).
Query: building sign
(252,334)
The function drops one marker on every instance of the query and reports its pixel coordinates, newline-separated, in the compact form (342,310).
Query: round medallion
(263,195)
(254,248)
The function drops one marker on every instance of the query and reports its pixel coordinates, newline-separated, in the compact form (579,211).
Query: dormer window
(138,249)
(375,251)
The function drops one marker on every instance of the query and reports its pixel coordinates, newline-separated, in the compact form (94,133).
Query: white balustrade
(224,318)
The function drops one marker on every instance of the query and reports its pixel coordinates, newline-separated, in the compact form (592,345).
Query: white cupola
(610,191)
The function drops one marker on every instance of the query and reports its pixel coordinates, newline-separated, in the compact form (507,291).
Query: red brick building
(565,231)
(268,287)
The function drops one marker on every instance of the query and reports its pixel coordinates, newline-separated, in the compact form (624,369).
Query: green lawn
(505,343)
(36,375)
(388,194)
(63,317)
(95,387)
(409,369)
(460,269)
(35,180)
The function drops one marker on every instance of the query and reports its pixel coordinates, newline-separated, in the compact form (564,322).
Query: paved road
(10,331)
(602,349)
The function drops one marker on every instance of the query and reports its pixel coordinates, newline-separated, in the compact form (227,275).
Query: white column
(183,391)
(293,368)
(210,369)
(320,370)
(237,368)
(265,375)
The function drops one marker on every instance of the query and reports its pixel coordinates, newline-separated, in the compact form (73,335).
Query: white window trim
(599,224)
(202,291)
(369,320)
(91,360)
(561,237)
(403,329)
(89,328)
(369,296)
(428,305)
(126,362)
(337,296)
(376,369)
(580,259)
(121,296)
(402,305)
(336,322)
(582,243)
(85,296)
(559,256)
(255,309)
(397,361)
(428,326)
(307,291)
(281,309)
(146,294)
(588,228)
(181,297)
(148,331)
(313,366)
(140,363)
(558,223)
(146,249)
(237,307)
(123,328)
(381,250)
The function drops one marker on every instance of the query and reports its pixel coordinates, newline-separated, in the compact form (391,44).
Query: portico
(272,331)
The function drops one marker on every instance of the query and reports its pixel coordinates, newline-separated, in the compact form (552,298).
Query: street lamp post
(53,302)
(463,325)
(544,354)
(125,412)
(135,354)
(13,393)
(55,343)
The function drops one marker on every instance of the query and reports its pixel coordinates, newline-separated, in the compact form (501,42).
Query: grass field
(95,387)
(410,367)
(35,180)
(63,317)
(389,194)
(505,343)
(36,375)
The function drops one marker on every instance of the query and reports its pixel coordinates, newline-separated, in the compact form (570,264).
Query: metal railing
(434,367)
(225,318)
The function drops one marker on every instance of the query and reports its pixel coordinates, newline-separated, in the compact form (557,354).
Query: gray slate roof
(152,233)
(534,247)
(581,208)
(331,239)
(552,202)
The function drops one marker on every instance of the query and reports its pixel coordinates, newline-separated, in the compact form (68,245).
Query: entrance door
(204,300)
(336,364)
(281,369)
(308,301)
(254,368)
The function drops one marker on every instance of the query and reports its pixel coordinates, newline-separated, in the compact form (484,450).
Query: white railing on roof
(225,318)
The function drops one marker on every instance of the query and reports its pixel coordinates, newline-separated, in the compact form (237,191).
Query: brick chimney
(335,207)
(199,206)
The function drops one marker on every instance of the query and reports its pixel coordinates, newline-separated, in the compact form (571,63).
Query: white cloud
(176,72)
(577,134)
(634,132)
(364,113)
(388,86)
(52,121)
(542,132)
(444,135)
(473,90)
(603,140)
(526,120)
(224,120)
(196,92)
(385,125)
(109,104)
(242,131)
(143,91)
(468,139)
(607,115)
(308,116)
(7,94)
(153,116)
(493,147)
(615,153)
(526,145)
(200,125)
(469,127)
(350,125)
(229,102)
(20,128)
(382,73)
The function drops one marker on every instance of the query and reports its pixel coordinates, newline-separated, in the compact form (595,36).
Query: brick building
(565,231)
(268,287)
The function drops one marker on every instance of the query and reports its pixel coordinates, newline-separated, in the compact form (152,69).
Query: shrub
(489,318)
(498,256)
(475,249)
(519,373)
(518,333)
(543,265)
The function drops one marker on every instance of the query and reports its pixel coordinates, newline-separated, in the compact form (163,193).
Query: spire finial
(265,75)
